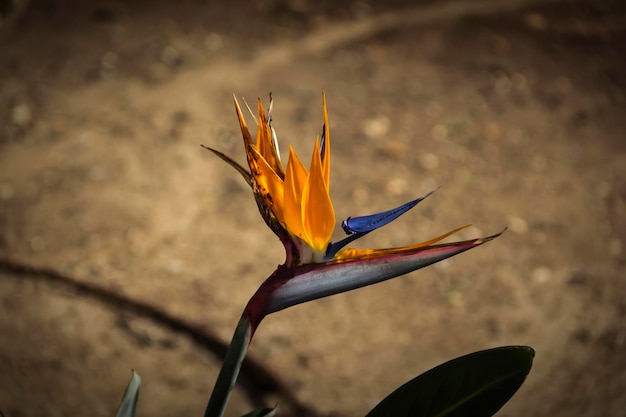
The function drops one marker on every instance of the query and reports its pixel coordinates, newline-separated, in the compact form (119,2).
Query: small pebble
(21,115)
(376,127)
(395,149)
(174,266)
(439,132)
(518,225)
(396,186)
(429,161)
(541,274)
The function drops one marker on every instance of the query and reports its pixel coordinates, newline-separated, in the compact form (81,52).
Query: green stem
(230,369)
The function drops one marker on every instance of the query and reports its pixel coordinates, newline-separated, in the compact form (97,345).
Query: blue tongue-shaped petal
(357,227)
(365,224)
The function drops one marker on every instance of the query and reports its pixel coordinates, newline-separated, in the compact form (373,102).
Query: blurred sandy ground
(517,111)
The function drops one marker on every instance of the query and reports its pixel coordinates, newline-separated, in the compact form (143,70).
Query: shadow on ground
(516,110)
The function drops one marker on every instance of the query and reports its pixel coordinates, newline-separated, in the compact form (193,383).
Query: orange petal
(326,156)
(317,209)
(350,254)
(247,138)
(269,184)
(295,178)
(265,143)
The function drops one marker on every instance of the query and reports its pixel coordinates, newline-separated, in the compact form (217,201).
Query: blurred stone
(518,225)
(376,127)
(429,161)
(396,186)
(21,115)
(439,132)
(541,274)
(395,149)
(174,266)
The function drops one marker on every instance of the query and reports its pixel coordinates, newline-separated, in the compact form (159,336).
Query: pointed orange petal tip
(247,138)
(317,209)
(326,143)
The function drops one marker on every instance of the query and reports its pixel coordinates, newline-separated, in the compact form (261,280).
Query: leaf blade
(476,385)
(131,396)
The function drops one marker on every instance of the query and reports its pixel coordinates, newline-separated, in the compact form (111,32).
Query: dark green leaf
(475,385)
(129,400)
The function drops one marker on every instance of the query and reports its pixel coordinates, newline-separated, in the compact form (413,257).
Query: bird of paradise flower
(295,203)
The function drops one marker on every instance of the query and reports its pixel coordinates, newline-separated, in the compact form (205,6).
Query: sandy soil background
(518,110)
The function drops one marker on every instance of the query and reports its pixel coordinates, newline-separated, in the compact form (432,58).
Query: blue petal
(358,227)
(365,224)
(335,247)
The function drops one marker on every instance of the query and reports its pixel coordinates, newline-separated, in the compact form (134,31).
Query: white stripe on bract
(275,140)
(339,277)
